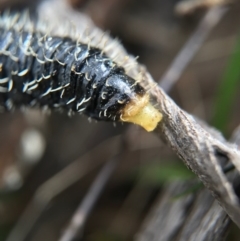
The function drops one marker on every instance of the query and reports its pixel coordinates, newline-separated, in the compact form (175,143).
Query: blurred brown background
(153,31)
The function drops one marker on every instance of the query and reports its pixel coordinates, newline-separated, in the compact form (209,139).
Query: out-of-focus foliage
(227,91)
(166,172)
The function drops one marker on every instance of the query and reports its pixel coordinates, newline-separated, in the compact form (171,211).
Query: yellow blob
(141,112)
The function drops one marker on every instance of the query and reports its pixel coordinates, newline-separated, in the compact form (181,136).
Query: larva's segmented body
(38,70)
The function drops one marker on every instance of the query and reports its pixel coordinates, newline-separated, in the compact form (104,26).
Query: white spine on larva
(4,80)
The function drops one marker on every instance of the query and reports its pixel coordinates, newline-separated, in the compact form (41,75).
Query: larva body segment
(38,70)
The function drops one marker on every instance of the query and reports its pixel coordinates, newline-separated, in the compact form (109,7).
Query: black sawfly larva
(41,70)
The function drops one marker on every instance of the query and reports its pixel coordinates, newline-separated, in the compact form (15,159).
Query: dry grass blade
(186,7)
(174,72)
(80,216)
(193,216)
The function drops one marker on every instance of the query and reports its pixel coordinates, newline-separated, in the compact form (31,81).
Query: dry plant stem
(189,6)
(82,213)
(199,216)
(174,72)
(201,151)
(60,182)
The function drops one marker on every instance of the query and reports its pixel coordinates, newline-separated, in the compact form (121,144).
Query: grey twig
(211,19)
(201,150)
(80,216)
(193,216)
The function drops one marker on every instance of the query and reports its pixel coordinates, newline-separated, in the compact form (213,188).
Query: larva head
(122,98)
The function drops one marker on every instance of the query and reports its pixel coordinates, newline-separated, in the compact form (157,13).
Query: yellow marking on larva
(141,112)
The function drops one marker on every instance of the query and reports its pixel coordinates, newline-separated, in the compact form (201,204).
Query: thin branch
(201,219)
(80,216)
(200,150)
(186,7)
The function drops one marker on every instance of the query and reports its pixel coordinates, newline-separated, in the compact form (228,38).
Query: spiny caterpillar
(44,71)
